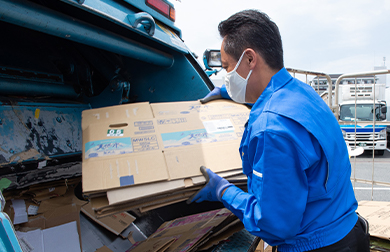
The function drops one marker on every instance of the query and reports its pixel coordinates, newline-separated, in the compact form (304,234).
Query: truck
(61,57)
(362,116)
(352,101)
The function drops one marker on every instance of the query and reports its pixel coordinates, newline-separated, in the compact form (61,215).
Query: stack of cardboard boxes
(143,156)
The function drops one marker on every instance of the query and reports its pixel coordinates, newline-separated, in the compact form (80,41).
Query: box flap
(116,114)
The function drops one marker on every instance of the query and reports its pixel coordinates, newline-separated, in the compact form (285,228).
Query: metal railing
(317,74)
(333,104)
(355,75)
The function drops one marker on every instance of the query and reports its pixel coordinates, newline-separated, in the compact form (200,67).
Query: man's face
(229,63)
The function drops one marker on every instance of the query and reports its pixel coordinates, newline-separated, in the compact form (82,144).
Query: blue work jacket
(300,195)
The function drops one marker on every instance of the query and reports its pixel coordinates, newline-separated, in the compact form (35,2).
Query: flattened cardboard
(156,206)
(263,247)
(221,108)
(170,141)
(104,249)
(113,162)
(102,207)
(155,245)
(170,199)
(226,233)
(109,135)
(188,231)
(194,135)
(115,223)
(56,211)
(121,195)
(377,213)
(47,193)
(185,161)
(116,113)
(140,191)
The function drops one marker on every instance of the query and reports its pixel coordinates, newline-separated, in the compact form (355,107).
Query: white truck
(361,123)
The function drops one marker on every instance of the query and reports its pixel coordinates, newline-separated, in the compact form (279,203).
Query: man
(300,196)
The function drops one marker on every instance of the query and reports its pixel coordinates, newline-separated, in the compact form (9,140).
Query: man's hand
(213,95)
(213,189)
(216,93)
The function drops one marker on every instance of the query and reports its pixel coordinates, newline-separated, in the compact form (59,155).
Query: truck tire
(379,152)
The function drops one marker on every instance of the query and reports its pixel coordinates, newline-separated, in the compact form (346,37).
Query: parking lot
(363,167)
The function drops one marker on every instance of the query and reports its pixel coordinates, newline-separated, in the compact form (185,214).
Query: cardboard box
(140,143)
(377,213)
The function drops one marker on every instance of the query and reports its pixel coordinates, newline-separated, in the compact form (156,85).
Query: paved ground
(365,168)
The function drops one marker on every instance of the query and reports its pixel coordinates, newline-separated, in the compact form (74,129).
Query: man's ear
(252,58)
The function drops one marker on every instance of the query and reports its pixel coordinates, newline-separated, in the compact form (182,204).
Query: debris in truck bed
(103,208)
(187,233)
(115,223)
(55,204)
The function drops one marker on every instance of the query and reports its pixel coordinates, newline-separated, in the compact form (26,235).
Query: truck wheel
(379,152)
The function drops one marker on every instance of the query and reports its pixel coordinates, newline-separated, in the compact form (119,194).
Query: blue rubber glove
(216,93)
(213,189)
(219,93)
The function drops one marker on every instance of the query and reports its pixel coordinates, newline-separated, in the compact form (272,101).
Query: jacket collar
(280,79)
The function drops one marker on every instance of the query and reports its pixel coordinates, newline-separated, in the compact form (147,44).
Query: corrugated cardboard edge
(376,213)
(126,207)
(102,208)
(109,225)
(104,249)
(135,192)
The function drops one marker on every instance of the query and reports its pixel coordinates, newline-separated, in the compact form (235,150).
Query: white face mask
(235,84)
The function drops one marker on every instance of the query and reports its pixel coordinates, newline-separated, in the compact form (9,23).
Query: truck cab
(362,116)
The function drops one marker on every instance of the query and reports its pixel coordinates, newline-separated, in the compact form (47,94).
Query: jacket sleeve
(275,203)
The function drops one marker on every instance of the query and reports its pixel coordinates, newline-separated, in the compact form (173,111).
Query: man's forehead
(226,58)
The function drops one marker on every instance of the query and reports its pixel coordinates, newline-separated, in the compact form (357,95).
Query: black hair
(253,29)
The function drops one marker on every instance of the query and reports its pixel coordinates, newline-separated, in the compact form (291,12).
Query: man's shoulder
(273,123)
(297,98)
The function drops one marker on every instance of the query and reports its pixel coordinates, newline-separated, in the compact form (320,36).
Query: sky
(329,36)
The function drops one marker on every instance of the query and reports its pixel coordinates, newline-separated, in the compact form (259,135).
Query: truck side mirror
(212,58)
(384,110)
